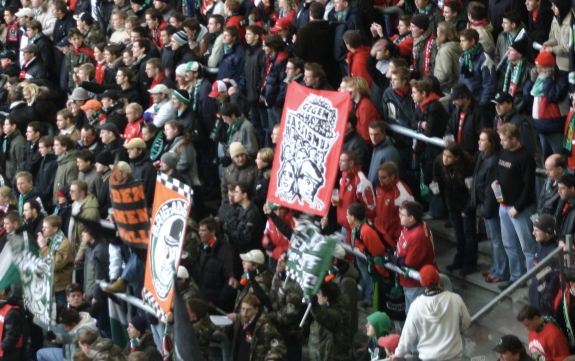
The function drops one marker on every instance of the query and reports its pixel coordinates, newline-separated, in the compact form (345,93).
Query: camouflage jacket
(286,298)
(204,329)
(94,35)
(267,344)
(190,290)
(264,279)
(105,350)
(192,249)
(329,333)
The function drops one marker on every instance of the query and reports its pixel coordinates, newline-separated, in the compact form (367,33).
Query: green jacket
(88,210)
(67,172)
(190,290)
(94,35)
(288,309)
(204,329)
(105,350)
(192,248)
(329,333)
(263,278)
(72,60)
(267,344)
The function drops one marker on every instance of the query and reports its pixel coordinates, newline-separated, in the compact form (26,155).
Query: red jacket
(369,239)
(388,200)
(354,187)
(404,45)
(415,246)
(155,36)
(240,24)
(549,344)
(133,130)
(357,63)
(366,113)
(275,237)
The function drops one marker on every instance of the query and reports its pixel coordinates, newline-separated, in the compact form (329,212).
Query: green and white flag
(309,256)
(9,273)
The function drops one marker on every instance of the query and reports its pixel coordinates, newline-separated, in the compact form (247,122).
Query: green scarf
(426,9)
(468,55)
(226,48)
(21,199)
(510,38)
(56,241)
(568,140)
(355,232)
(546,320)
(232,129)
(537,89)
(516,76)
(567,317)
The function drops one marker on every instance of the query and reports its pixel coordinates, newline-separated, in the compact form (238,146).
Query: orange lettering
(138,193)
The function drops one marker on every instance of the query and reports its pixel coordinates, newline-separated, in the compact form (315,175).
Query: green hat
(182,95)
(380,322)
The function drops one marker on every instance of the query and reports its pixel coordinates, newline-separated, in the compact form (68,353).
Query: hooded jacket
(437,322)
(559,35)
(383,152)
(357,63)
(232,65)
(446,68)
(481,79)
(15,155)
(70,339)
(475,120)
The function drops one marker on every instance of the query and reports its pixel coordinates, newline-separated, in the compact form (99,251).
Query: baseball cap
(193,66)
(25,12)
(91,104)
(282,23)
(160,89)
(502,97)
(508,343)
(110,127)
(218,87)
(135,143)
(30,48)
(112,94)
(84,17)
(63,42)
(255,256)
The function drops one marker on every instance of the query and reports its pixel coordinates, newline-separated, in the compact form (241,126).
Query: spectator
(353,141)
(506,113)
(114,111)
(67,170)
(142,167)
(12,42)
(9,66)
(44,179)
(539,20)
(86,207)
(550,341)
(344,16)
(178,141)
(168,164)
(203,326)
(378,325)
(568,140)
(32,214)
(231,65)
(314,77)
(104,348)
(331,321)
(364,109)
(182,52)
(118,24)
(78,54)
(555,168)
(213,42)
(449,51)
(199,88)
(383,150)
(25,185)
(512,25)
(277,234)
(403,40)
(155,22)
(548,89)
(564,303)
(90,29)
(53,242)
(424,46)
(13,328)
(242,168)
(477,70)
(467,121)
(240,130)
(134,113)
(66,125)
(273,75)
(33,67)
(42,41)
(543,289)
(477,15)
(255,63)
(162,108)
(438,332)
(89,140)
(186,116)
(14,145)
(104,161)
(264,160)
(141,339)
(357,56)
(433,13)
(515,175)
(511,346)
(253,325)
(564,213)
(391,192)
(85,161)
(454,14)
(558,43)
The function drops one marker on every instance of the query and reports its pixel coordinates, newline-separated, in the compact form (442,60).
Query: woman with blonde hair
(287,9)
(40,99)
(8,201)
(447,59)
(264,160)
(365,111)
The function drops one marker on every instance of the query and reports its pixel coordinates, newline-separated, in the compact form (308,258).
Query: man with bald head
(555,167)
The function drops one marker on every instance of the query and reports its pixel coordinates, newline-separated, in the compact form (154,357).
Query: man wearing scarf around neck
(477,16)
(424,47)
(476,69)
(78,54)
(437,320)
(511,27)
(53,242)
(432,11)
(546,341)
(516,71)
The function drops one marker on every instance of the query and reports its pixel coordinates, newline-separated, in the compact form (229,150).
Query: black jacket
(44,179)
(118,150)
(526,133)
(35,69)
(11,70)
(245,229)
(539,31)
(521,104)
(548,199)
(32,158)
(147,345)
(46,51)
(254,64)
(117,115)
(261,187)
(104,200)
(143,169)
(544,288)
(499,7)
(35,226)
(452,184)
(354,141)
(190,121)
(275,78)
(280,100)
(351,21)
(217,265)
(184,55)
(62,26)
(143,80)
(565,221)
(482,193)
(475,120)
(302,14)
(13,332)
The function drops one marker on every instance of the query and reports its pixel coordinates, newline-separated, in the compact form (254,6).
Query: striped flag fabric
(9,273)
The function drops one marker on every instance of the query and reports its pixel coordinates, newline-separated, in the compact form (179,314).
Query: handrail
(540,172)
(408,272)
(131,300)
(513,287)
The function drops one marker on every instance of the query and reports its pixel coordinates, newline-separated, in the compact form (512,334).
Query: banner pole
(307,311)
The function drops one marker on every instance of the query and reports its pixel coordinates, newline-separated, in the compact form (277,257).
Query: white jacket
(437,322)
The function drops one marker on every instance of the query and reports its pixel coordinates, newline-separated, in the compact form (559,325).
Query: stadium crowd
(91,90)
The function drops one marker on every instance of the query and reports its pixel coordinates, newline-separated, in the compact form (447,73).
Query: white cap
(25,12)
(183,272)
(255,256)
(159,88)
(181,70)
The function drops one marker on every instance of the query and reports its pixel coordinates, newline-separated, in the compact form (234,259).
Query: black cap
(105,157)
(521,46)
(508,343)
(111,127)
(503,97)
(460,91)
(112,94)
(8,54)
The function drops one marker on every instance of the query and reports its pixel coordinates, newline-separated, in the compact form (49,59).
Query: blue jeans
(50,354)
(259,119)
(411,293)
(133,274)
(365,280)
(551,144)
(500,268)
(518,241)
(465,239)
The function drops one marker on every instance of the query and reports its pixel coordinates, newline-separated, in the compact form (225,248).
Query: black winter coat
(116,115)
(565,223)
(261,187)
(275,77)
(539,31)
(32,158)
(280,100)
(35,69)
(245,229)
(116,147)
(62,26)
(354,141)
(481,192)
(526,134)
(44,179)
(143,169)
(254,63)
(11,70)
(147,345)
(499,7)
(46,51)
(13,331)
(351,21)
(184,55)
(25,115)
(302,14)
(475,120)
(451,182)
(217,265)
(232,65)
(543,290)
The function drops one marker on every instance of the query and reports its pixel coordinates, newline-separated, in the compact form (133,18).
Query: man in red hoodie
(234,18)
(391,193)
(546,341)
(357,56)
(155,22)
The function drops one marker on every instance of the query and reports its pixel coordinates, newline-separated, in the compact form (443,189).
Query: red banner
(307,154)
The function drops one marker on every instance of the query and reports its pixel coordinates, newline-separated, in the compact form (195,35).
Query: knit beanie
(182,95)
(546,223)
(429,275)
(380,322)
(105,158)
(170,159)
(521,46)
(545,58)
(237,148)
(140,323)
(421,21)
(181,70)
(180,37)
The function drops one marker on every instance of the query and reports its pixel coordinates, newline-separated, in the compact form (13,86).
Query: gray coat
(92,178)
(446,68)
(247,173)
(245,134)
(384,152)
(186,159)
(15,154)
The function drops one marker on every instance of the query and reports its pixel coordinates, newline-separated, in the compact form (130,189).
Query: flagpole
(307,311)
